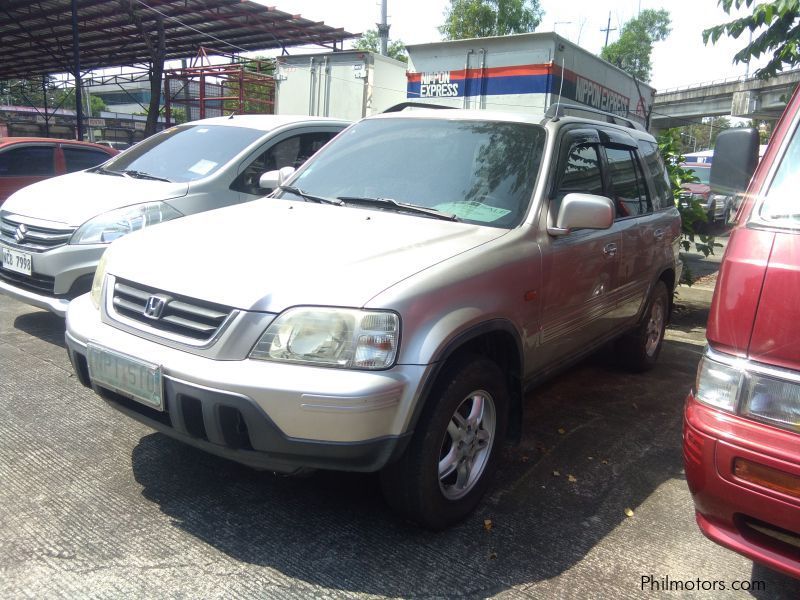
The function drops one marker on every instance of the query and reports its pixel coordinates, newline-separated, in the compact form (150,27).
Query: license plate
(131,377)
(20,262)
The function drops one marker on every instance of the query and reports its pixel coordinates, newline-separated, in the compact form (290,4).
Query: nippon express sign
(438,84)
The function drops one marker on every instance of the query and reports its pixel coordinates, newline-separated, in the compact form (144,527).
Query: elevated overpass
(749,98)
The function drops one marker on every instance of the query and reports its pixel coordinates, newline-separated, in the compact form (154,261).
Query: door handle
(658,234)
(610,249)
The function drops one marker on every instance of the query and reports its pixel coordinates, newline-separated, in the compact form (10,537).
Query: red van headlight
(752,390)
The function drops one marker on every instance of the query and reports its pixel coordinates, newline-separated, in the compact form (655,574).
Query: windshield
(185,153)
(702,173)
(779,206)
(481,172)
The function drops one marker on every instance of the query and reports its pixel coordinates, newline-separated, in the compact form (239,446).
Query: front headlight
(775,401)
(99,278)
(331,337)
(105,228)
(718,384)
(749,390)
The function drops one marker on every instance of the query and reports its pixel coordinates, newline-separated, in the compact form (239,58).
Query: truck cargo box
(345,85)
(522,73)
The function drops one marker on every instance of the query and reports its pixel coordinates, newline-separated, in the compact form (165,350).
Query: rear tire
(639,350)
(453,453)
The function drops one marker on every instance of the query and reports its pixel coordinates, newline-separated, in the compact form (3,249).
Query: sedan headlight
(743,389)
(331,337)
(107,227)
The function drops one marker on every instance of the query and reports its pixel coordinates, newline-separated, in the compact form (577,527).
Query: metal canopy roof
(36,35)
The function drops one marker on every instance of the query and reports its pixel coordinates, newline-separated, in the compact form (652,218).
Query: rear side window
(78,159)
(629,189)
(655,165)
(27,161)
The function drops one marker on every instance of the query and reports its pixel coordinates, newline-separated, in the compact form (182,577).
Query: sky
(682,59)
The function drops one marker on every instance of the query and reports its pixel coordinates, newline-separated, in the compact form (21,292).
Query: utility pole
(608,29)
(383,29)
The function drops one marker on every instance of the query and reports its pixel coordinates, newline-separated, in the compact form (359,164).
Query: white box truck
(527,72)
(346,85)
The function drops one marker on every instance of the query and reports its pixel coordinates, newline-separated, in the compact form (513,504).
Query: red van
(741,435)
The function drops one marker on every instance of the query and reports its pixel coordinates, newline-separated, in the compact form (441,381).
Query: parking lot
(94,504)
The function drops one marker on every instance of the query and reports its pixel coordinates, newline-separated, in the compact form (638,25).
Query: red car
(741,440)
(26,160)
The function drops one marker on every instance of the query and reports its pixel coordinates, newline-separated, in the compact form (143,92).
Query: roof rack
(404,105)
(556,111)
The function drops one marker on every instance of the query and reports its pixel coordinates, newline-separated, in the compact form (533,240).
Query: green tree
(779,33)
(485,18)
(370,42)
(631,52)
(693,214)
(701,135)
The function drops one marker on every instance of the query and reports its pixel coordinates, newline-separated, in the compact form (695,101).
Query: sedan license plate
(19,262)
(129,376)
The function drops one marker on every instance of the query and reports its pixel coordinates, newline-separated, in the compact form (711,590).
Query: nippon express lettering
(437,85)
(595,95)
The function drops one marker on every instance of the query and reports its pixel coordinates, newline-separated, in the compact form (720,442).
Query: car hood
(75,198)
(272,254)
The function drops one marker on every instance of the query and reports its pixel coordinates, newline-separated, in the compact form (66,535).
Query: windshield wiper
(142,175)
(393,204)
(105,171)
(310,197)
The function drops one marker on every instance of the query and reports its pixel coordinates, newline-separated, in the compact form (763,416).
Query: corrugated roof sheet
(36,35)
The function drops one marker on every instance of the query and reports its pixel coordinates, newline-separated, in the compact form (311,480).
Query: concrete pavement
(93,504)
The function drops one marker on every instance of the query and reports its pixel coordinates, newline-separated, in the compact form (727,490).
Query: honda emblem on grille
(155,306)
(20,234)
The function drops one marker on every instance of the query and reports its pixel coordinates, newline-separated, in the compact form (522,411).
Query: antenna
(561,83)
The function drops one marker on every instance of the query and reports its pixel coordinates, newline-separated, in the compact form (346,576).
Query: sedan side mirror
(583,211)
(272,179)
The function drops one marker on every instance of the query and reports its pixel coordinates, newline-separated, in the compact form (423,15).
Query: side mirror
(272,179)
(735,160)
(583,211)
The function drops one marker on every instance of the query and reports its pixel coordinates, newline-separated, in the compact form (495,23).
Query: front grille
(187,317)
(42,284)
(36,238)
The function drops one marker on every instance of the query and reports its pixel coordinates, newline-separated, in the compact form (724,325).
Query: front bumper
(751,519)
(59,275)
(267,415)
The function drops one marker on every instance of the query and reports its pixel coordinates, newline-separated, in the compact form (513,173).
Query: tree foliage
(485,18)
(631,52)
(370,42)
(779,34)
(701,135)
(693,214)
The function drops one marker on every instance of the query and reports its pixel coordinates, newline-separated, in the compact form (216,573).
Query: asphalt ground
(592,502)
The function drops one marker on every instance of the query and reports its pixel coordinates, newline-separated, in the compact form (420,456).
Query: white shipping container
(523,73)
(345,85)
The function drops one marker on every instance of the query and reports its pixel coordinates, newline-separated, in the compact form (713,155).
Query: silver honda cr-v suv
(388,308)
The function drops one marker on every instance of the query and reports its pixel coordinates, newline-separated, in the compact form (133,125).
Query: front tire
(639,350)
(454,451)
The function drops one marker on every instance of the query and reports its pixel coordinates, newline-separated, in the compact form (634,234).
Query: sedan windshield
(184,153)
(479,172)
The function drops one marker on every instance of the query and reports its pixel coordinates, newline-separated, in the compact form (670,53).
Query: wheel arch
(496,339)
